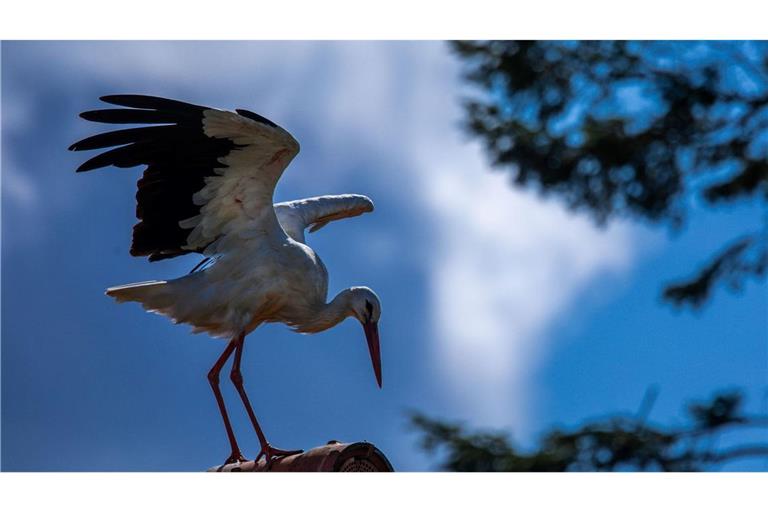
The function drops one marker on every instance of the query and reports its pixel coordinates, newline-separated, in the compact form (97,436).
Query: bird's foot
(236,457)
(271,454)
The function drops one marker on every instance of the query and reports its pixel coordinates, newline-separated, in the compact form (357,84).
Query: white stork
(208,188)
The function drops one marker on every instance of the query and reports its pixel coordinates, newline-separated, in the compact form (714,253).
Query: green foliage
(614,444)
(638,129)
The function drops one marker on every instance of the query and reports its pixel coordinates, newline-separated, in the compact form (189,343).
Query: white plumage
(265,276)
(208,188)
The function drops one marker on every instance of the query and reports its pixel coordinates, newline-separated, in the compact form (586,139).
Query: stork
(208,188)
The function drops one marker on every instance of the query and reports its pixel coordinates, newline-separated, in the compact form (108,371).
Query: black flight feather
(135,116)
(152,102)
(178,155)
(120,137)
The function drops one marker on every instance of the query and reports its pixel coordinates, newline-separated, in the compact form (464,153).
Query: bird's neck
(330,314)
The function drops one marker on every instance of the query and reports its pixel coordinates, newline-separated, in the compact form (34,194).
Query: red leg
(213,378)
(267,450)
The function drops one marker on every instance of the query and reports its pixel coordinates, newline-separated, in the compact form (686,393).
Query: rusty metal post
(333,457)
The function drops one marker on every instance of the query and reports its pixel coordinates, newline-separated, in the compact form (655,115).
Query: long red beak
(372,336)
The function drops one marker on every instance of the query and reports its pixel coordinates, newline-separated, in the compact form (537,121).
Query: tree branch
(745,257)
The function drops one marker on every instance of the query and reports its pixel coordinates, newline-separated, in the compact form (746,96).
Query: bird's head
(365,306)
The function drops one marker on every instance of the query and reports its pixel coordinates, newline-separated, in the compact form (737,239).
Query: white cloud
(19,189)
(506,266)
(21,195)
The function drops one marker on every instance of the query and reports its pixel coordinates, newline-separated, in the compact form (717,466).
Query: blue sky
(499,309)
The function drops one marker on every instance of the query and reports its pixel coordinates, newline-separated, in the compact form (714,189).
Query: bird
(208,188)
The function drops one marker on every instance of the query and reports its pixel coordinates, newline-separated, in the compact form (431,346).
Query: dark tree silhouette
(638,129)
(615,444)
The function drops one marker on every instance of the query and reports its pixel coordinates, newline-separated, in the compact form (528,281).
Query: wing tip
(109,98)
(91,115)
(85,168)
(113,98)
(125,100)
(368,205)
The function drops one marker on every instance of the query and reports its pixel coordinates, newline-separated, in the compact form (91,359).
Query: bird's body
(233,295)
(208,188)
(288,285)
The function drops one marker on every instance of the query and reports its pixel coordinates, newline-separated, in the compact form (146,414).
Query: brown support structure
(333,457)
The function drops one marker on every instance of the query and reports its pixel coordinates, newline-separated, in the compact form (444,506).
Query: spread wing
(316,212)
(210,173)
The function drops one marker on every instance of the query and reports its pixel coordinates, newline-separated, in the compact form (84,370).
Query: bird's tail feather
(153,295)
(165,298)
